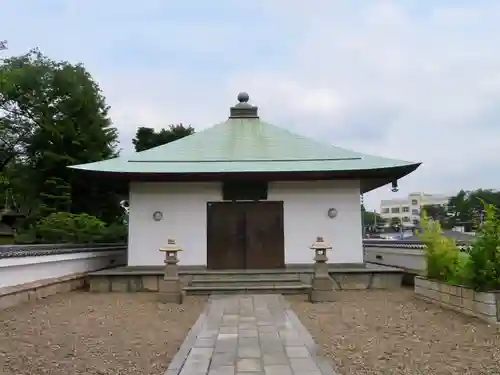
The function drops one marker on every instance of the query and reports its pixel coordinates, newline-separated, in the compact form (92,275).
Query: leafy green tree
(52,115)
(483,267)
(146,138)
(438,213)
(443,258)
(466,208)
(371,220)
(56,196)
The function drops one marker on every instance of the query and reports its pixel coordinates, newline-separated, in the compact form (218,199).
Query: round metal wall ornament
(157,216)
(332,213)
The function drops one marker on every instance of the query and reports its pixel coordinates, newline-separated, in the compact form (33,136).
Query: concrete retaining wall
(32,272)
(485,306)
(34,264)
(14,295)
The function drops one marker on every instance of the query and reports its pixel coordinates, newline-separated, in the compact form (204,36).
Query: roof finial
(243,97)
(243,109)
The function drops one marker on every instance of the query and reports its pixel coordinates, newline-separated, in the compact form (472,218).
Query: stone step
(245,283)
(246,276)
(240,279)
(229,288)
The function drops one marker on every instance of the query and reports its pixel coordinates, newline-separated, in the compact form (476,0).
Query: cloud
(413,80)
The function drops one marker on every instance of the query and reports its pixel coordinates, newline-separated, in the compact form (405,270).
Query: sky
(415,80)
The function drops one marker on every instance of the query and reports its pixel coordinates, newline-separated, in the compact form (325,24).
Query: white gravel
(382,332)
(85,333)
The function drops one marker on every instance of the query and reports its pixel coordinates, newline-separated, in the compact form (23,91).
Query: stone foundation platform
(290,280)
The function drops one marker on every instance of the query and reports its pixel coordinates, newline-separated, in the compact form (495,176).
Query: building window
(406,209)
(395,210)
(414,212)
(244,191)
(414,202)
(385,210)
(406,219)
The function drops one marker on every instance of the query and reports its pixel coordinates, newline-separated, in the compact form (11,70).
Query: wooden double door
(245,235)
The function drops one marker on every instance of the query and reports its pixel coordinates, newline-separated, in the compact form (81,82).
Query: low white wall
(412,259)
(20,270)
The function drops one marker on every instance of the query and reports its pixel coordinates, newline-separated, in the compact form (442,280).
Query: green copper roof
(243,143)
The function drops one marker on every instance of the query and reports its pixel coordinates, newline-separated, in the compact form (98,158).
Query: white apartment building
(408,209)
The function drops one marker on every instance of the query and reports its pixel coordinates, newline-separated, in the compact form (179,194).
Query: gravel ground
(381,332)
(85,333)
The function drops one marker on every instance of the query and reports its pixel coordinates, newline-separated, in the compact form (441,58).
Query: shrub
(64,227)
(115,232)
(483,269)
(443,258)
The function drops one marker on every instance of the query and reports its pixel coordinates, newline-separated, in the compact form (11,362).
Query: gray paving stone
(227,336)
(248,335)
(275,359)
(228,329)
(297,352)
(248,365)
(226,347)
(277,370)
(267,329)
(249,352)
(248,319)
(248,341)
(300,365)
(223,370)
(204,343)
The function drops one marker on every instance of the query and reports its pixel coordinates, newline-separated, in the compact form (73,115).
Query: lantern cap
(171,246)
(320,244)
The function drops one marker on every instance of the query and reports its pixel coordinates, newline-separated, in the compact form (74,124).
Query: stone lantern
(170,288)
(322,288)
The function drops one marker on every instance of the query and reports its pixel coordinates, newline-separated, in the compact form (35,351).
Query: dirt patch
(85,333)
(382,332)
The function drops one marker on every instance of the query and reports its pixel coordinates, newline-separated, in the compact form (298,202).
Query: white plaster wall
(305,217)
(15,271)
(184,208)
(184,218)
(412,259)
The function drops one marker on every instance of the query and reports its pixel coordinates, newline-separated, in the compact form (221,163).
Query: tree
(56,196)
(466,208)
(52,114)
(146,138)
(439,213)
(371,220)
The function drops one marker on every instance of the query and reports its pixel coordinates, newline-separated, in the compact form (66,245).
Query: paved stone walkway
(248,335)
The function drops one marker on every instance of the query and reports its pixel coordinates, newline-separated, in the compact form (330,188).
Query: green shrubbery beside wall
(478,268)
